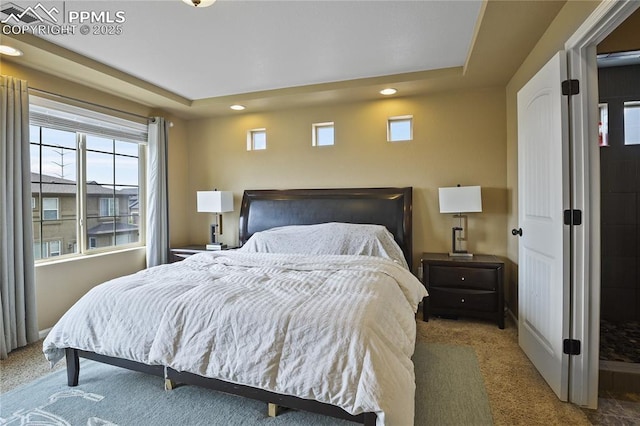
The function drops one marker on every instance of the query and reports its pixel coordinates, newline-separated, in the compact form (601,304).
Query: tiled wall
(620,192)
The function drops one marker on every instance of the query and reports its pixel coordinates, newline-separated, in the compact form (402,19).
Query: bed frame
(265,209)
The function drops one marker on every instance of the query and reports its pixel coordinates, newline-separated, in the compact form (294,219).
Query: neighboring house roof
(56,185)
(107,228)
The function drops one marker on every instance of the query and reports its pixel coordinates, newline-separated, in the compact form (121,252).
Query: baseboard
(513,317)
(43,333)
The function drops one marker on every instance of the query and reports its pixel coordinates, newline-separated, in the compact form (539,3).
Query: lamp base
(456,243)
(460,254)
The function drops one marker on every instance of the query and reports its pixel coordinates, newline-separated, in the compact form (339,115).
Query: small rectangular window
(33,203)
(54,248)
(50,209)
(256,139)
(47,249)
(323,134)
(400,129)
(632,123)
(109,207)
(603,125)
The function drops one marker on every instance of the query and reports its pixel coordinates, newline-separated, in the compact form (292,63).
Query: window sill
(80,257)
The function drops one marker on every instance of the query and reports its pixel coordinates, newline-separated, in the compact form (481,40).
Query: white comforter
(336,329)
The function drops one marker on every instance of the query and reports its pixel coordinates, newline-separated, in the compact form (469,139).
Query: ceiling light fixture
(388,91)
(199,3)
(237,107)
(10,51)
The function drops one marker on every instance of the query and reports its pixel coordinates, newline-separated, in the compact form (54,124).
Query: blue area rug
(450,391)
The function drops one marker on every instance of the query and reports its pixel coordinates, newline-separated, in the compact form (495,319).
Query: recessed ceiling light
(388,91)
(199,3)
(10,51)
(237,107)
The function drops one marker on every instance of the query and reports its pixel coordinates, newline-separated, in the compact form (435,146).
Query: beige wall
(624,38)
(566,23)
(458,138)
(59,284)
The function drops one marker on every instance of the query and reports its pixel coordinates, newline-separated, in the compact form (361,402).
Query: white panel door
(543,288)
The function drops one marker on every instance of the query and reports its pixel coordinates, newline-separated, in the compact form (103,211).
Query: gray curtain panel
(157,193)
(18,321)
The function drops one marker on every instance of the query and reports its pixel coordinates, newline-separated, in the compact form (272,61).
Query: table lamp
(458,200)
(215,202)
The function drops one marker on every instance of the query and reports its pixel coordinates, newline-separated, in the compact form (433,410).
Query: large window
(86,170)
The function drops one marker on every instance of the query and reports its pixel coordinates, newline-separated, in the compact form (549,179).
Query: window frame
(315,137)
(398,119)
(251,139)
(625,106)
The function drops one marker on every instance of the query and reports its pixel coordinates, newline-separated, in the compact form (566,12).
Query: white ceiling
(243,46)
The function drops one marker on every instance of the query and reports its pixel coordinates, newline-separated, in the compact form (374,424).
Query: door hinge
(570,87)
(571,346)
(573,217)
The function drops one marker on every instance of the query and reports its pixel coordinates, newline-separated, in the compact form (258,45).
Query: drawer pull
(462,300)
(462,278)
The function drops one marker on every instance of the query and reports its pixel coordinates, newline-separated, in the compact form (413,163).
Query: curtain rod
(90,103)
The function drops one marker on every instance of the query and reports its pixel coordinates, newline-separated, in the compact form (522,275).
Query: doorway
(619,141)
(584,205)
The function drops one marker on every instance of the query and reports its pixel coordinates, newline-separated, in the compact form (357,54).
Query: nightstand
(180,253)
(466,287)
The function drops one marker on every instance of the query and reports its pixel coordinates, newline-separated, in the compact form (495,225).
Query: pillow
(328,238)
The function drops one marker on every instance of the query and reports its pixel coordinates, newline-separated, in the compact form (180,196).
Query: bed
(321,332)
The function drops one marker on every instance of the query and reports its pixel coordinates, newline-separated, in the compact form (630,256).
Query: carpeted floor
(518,395)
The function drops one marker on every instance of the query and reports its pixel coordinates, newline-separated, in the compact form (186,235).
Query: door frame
(585,193)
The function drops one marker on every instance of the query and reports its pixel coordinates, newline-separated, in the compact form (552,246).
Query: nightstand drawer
(467,299)
(447,276)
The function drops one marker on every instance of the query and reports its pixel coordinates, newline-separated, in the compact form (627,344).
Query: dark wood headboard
(391,207)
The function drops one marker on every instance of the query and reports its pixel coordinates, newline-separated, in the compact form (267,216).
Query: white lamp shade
(215,201)
(460,199)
